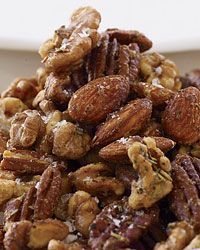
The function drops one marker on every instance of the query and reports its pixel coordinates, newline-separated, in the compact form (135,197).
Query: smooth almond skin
(95,100)
(127,121)
(181,118)
(117,151)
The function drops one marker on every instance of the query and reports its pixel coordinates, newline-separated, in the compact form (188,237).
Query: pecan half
(127,121)
(184,198)
(119,225)
(181,118)
(48,193)
(95,100)
(24,162)
(180,234)
(71,44)
(130,36)
(154,174)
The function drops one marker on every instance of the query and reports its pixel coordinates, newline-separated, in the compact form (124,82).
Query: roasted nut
(70,45)
(23,162)
(70,141)
(38,98)
(184,198)
(158,70)
(9,106)
(191,79)
(7,188)
(23,88)
(194,244)
(3,141)
(181,118)
(59,88)
(119,223)
(130,36)
(16,238)
(95,100)
(154,174)
(96,179)
(180,234)
(193,149)
(117,150)
(127,121)
(41,76)
(155,92)
(83,208)
(111,58)
(26,128)
(48,193)
(43,231)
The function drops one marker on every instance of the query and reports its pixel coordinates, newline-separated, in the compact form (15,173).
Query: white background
(172,24)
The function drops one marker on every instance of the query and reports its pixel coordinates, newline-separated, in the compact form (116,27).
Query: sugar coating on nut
(154,174)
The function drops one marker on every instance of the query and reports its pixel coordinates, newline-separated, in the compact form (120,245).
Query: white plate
(172,25)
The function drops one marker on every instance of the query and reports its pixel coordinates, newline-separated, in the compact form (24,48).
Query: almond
(128,120)
(117,150)
(95,100)
(181,118)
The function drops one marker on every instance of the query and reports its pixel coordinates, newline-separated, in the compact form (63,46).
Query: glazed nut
(119,225)
(58,88)
(3,141)
(154,174)
(23,88)
(155,92)
(69,45)
(43,231)
(157,70)
(70,141)
(9,106)
(127,121)
(23,162)
(7,188)
(58,245)
(130,36)
(184,198)
(180,234)
(95,100)
(181,118)
(96,180)
(26,128)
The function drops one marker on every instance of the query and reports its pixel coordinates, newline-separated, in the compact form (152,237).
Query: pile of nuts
(101,149)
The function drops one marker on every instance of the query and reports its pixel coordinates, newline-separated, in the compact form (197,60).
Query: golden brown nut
(70,141)
(58,245)
(127,121)
(16,238)
(26,128)
(154,174)
(95,100)
(41,76)
(180,234)
(181,118)
(9,106)
(23,162)
(71,44)
(3,141)
(23,88)
(43,231)
(158,70)
(96,179)
(7,189)
(193,149)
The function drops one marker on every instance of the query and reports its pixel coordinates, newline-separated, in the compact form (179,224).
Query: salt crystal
(70,225)
(123,140)
(158,70)
(156,83)
(85,32)
(37,185)
(116,222)
(70,238)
